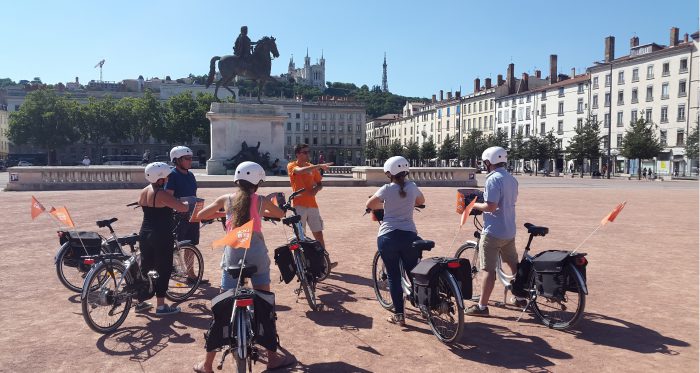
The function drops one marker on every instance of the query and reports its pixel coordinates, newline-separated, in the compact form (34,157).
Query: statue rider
(242,47)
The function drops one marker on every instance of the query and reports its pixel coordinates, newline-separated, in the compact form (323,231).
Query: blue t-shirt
(501,188)
(398,211)
(182,185)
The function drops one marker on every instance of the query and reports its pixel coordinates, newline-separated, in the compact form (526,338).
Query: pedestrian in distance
(86,161)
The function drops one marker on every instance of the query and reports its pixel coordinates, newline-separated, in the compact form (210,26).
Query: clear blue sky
(429,45)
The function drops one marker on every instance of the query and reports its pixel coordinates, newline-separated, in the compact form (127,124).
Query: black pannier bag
(519,284)
(264,319)
(315,255)
(463,275)
(425,281)
(219,333)
(550,277)
(81,244)
(573,286)
(285,263)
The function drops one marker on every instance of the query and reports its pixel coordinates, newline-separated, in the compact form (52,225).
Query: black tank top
(157,219)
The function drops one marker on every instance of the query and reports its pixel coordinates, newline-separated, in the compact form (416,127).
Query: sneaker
(518,302)
(143,306)
(167,310)
(475,310)
(397,319)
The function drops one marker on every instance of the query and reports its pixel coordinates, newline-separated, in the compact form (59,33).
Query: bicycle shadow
(349,278)
(75,298)
(140,344)
(335,366)
(501,347)
(610,331)
(333,313)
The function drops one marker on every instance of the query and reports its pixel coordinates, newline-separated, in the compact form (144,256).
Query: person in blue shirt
(498,235)
(183,186)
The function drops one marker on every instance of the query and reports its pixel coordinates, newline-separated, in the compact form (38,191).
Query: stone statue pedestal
(233,123)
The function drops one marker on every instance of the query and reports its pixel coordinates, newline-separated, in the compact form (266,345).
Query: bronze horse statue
(256,67)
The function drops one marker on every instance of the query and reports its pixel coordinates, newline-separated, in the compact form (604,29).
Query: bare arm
(270,210)
(375,203)
(420,199)
(486,206)
(317,188)
(309,168)
(172,202)
(212,211)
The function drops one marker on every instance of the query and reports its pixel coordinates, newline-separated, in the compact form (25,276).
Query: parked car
(24,163)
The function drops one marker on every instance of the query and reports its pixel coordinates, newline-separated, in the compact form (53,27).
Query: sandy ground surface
(641,314)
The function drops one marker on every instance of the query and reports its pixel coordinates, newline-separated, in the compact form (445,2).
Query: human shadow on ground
(333,313)
(351,279)
(613,332)
(334,366)
(499,346)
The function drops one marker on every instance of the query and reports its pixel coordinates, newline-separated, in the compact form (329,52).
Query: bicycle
(444,309)
(115,278)
(311,262)
(70,269)
(553,282)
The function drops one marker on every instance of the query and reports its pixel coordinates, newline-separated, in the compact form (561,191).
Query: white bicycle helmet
(179,151)
(156,171)
(396,165)
(250,172)
(495,155)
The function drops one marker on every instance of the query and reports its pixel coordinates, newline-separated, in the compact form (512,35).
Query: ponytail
(241,203)
(400,179)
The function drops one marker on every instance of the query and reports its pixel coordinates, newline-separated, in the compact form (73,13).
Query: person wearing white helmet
(238,208)
(156,234)
(183,185)
(397,230)
(498,234)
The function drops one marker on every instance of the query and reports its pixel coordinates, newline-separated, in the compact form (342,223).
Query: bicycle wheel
(105,306)
(446,318)
(188,268)
(242,357)
(560,313)
(470,250)
(327,264)
(380,281)
(70,271)
(304,277)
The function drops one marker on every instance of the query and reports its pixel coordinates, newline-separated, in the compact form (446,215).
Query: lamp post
(609,113)
(614,154)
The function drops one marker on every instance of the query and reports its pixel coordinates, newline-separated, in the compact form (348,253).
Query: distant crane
(99,64)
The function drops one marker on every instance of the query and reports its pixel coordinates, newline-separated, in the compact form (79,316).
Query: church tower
(290,69)
(385,85)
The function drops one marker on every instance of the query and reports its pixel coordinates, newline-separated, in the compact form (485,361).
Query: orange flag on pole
(238,237)
(466,212)
(62,215)
(37,208)
(613,214)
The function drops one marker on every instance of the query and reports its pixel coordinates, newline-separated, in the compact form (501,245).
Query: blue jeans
(394,248)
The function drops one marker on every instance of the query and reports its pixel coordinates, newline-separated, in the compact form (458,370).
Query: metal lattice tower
(385,86)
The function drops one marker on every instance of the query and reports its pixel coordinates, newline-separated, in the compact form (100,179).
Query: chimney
(449,95)
(433,101)
(685,38)
(573,72)
(458,94)
(77,82)
(552,68)
(499,80)
(538,74)
(524,83)
(477,85)
(674,37)
(441,98)
(487,83)
(609,48)
(510,78)
(634,42)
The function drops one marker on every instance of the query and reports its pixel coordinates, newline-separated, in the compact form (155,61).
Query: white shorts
(311,216)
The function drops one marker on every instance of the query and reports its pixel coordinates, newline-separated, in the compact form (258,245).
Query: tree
(46,120)
(371,150)
(517,149)
(427,149)
(395,148)
(472,147)
(542,149)
(183,119)
(7,82)
(382,153)
(412,152)
(203,129)
(585,144)
(449,149)
(640,142)
(100,122)
(500,138)
(147,119)
(691,146)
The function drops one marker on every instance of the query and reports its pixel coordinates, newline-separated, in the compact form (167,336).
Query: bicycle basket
(464,198)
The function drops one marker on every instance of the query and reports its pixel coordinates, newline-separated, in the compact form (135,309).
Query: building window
(469,124)
(527,113)
(579,123)
(650,93)
(682,91)
(664,114)
(358,142)
(650,72)
(681,112)
(621,77)
(620,97)
(479,122)
(606,121)
(561,91)
(608,80)
(520,113)
(635,74)
(664,91)
(607,99)
(323,126)
(560,127)
(297,115)
(512,116)
(528,98)
(499,118)
(684,66)
(298,127)
(542,128)
(527,130)
(332,127)
(289,126)
(315,127)
(544,95)
(543,111)
(633,116)
(635,95)
(298,138)
(594,118)
(580,87)
(315,140)
(618,143)
(595,102)
(595,82)
(648,115)
(289,140)
(579,106)
(666,69)
(663,138)
(306,126)
(561,108)
(620,123)
(680,138)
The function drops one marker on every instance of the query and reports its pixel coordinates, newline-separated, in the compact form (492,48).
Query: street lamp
(609,112)
(614,154)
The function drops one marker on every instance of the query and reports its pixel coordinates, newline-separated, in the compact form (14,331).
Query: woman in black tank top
(156,235)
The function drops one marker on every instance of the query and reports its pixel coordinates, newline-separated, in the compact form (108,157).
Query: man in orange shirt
(303,174)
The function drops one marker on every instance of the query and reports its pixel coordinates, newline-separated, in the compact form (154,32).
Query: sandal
(397,319)
(199,368)
(287,361)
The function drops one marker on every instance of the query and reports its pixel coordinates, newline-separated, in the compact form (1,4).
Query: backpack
(425,280)
(285,263)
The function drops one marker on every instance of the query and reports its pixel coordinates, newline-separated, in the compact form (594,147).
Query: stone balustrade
(344,170)
(75,177)
(423,176)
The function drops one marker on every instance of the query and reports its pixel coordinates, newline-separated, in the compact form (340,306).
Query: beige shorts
(310,216)
(490,247)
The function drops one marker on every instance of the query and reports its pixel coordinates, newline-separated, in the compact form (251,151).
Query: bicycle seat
(247,272)
(423,245)
(535,230)
(128,240)
(105,223)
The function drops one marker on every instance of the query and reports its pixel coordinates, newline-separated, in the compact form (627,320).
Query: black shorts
(187,231)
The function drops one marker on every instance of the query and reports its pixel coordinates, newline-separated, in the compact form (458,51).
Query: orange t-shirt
(306,181)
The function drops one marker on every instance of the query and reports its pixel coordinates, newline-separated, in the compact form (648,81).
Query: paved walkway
(641,315)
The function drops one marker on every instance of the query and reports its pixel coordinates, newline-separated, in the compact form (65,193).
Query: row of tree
(52,121)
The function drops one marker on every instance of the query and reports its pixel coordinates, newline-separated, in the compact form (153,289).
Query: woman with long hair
(239,208)
(397,231)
